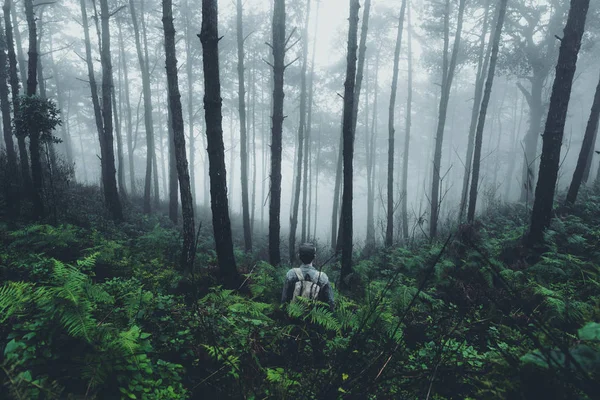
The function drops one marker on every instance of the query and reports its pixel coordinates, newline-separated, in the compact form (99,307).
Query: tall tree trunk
(370,156)
(243,133)
(173,171)
(20,54)
(590,157)
(278,47)
(535,101)
(336,196)
(120,156)
(190,101)
(209,36)
(306,210)
(300,148)
(34,135)
(555,123)
(588,143)
(389,231)
(443,110)
(14,89)
(348,135)
(404,192)
(483,110)
(317,161)
(513,159)
(253,202)
(482,66)
(66,137)
(11,155)
(148,123)
(129,124)
(109,182)
(178,139)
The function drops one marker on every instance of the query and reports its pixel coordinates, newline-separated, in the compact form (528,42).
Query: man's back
(310,274)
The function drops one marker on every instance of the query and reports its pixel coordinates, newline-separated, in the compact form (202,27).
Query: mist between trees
(378,125)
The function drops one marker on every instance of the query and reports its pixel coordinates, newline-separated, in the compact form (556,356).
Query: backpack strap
(298,273)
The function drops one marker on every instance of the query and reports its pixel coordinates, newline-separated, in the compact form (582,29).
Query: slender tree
(190,99)
(588,143)
(389,231)
(11,155)
(347,193)
(243,132)
(178,139)
(109,182)
(209,36)
(555,123)
(408,124)
(34,135)
(448,76)
(148,119)
(278,48)
(483,109)
(128,124)
(301,132)
(14,89)
(482,64)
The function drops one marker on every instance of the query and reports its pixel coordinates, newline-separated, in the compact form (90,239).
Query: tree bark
(370,240)
(109,182)
(336,195)
(120,155)
(300,148)
(209,36)
(173,171)
(443,110)
(555,123)
(483,110)
(190,101)
(129,124)
(178,139)
(389,231)
(148,122)
(11,155)
(20,54)
(482,66)
(348,135)
(404,192)
(585,153)
(243,132)
(14,89)
(278,47)
(34,136)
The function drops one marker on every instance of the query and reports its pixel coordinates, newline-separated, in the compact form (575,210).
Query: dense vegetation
(92,310)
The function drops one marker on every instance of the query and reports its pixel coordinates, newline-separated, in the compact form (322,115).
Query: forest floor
(92,310)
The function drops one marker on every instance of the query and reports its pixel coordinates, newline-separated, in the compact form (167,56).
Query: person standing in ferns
(307,281)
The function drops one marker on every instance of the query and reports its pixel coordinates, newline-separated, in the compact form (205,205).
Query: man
(307,281)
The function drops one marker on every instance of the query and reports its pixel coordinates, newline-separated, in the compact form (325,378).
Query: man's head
(307,253)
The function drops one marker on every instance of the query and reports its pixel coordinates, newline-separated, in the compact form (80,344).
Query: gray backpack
(304,288)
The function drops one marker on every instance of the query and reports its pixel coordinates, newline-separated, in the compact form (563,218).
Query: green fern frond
(14,296)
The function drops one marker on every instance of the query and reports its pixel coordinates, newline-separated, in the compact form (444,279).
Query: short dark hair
(307,252)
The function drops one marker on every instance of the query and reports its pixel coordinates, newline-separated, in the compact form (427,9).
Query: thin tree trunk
(14,89)
(588,143)
(147,92)
(348,135)
(443,110)
(11,155)
(173,170)
(278,47)
(483,110)
(178,139)
(389,231)
(109,182)
(482,66)
(300,147)
(253,202)
(555,123)
(407,128)
(129,124)
(20,52)
(209,36)
(34,135)
(243,132)
(66,138)
(190,100)
(336,196)
(370,156)
(317,161)
(120,156)
(306,210)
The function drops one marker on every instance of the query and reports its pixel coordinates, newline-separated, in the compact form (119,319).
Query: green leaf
(591,331)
